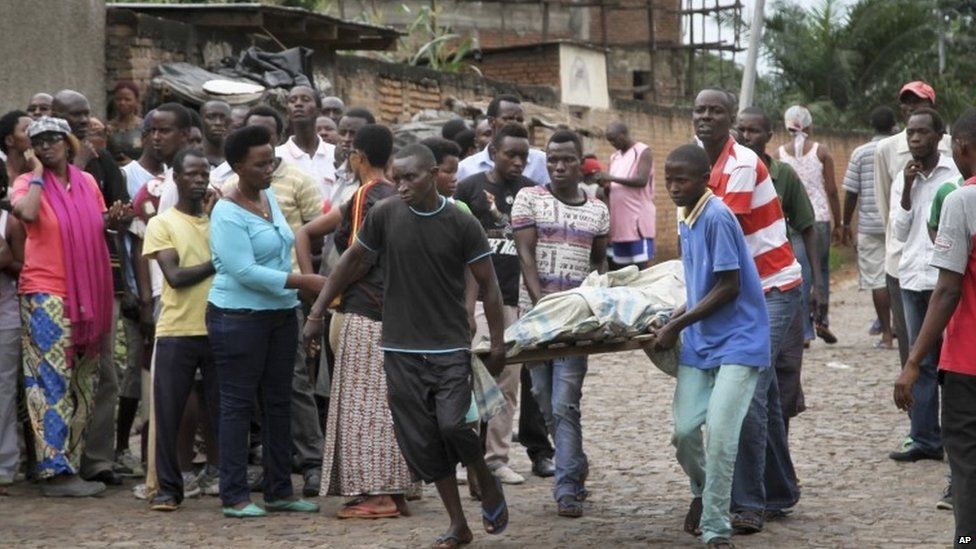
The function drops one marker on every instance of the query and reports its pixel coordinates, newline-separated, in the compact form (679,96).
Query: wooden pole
(652,48)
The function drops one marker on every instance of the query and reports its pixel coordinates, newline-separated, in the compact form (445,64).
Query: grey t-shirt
(953,245)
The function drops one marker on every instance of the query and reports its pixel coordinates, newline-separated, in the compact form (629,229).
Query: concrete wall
(49,45)
(396,92)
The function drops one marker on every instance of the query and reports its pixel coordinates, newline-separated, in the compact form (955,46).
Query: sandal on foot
(719,543)
(365,512)
(693,518)
(824,333)
(451,541)
(251,511)
(292,506)
(496,519)
(569,506)
(747,522)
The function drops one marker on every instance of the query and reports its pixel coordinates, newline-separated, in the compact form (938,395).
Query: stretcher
(579,347)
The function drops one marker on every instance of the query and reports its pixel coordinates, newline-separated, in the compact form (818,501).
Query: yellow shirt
(297,195)
(183,309)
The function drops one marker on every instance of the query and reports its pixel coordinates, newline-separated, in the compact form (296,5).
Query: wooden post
(545,20)
(690,75)
(652,47)
(603,24)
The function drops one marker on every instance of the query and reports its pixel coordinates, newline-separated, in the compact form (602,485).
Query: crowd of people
(295,295)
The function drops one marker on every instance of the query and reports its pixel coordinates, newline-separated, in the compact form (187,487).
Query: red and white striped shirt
(742,181)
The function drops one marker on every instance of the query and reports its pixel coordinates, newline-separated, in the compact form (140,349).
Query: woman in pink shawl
(66,302)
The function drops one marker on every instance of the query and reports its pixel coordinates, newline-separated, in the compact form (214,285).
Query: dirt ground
(853,495)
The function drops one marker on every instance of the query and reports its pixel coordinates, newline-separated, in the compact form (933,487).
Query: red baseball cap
(591,166)
(919,88)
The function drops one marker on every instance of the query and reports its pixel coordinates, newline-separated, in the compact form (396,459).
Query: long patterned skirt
(60,388)
(361,452)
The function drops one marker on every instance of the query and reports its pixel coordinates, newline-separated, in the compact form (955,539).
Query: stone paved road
(853,496)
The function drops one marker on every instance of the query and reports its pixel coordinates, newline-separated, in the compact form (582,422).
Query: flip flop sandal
(880,345)
(354,501)
(362,512)
(719,543)
(569,506)
(693,518)
(451,541)
(747,522)
(496,519)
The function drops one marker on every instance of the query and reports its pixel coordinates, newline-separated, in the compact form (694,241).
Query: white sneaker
(191,488)
(507,475)
(139,491)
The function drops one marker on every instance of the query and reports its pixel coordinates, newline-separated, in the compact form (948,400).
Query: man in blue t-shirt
(725,342)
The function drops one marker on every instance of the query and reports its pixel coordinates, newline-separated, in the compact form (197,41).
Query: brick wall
(136,44)
(627,24)
(396,92)
(537,66)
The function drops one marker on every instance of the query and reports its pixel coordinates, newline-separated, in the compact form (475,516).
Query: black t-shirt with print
(424,257)
(504,257)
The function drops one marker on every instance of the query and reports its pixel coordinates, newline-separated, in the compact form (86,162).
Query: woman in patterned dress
(66,302)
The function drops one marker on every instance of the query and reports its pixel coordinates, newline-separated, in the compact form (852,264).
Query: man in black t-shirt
(490,196)
(426,245)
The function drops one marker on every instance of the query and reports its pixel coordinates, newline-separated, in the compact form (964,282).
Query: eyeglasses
(46,139)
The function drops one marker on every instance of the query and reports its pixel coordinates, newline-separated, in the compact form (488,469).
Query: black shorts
(429,396)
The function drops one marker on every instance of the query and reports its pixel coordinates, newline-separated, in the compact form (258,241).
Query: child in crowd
(724,344)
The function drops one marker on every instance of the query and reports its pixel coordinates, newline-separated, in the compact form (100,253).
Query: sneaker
(73,487)
(507,475)
(255,478)
(191,488)
(139,491)
(946,502)
(209,481)
(127,465)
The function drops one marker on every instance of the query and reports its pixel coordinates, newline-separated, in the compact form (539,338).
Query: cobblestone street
(853,495)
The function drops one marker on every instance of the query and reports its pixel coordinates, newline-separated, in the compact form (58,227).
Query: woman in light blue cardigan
(252,326)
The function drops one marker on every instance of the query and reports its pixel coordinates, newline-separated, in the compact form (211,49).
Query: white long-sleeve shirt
(911,226)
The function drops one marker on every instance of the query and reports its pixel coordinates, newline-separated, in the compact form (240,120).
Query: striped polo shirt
(742,181)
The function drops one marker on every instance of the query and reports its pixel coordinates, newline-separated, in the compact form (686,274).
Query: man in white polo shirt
(305,148)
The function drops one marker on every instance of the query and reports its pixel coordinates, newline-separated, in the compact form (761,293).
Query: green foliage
(843,63)
(426,42)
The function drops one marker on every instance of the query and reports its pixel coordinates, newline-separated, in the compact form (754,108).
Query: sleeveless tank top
(810,169)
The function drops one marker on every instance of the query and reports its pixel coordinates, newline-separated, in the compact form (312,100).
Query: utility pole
(749,71)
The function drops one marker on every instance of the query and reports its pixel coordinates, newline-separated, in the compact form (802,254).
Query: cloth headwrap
(88,276)
(797,120)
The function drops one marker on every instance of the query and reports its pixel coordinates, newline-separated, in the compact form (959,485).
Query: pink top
(632,212)
(43,270)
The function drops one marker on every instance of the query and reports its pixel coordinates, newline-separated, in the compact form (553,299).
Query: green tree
(844,62)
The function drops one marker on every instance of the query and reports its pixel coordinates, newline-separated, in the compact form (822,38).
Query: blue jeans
(255,355)
(924,415)
(558,386)
(800,251)
(764,476)
(718,399)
